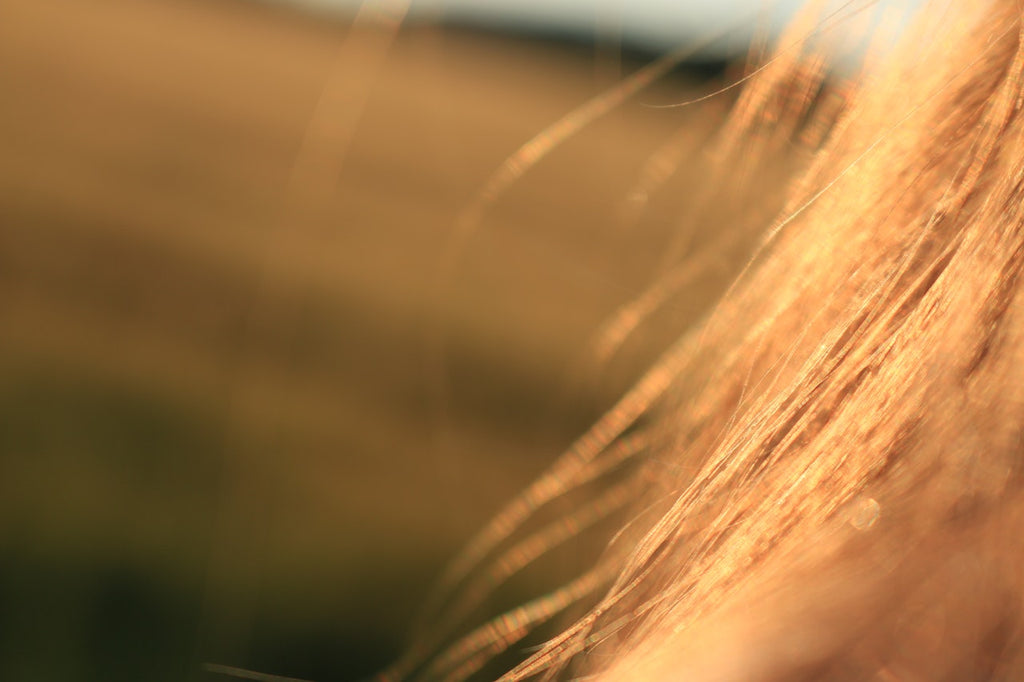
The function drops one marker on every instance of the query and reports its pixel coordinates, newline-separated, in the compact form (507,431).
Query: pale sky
(660,24)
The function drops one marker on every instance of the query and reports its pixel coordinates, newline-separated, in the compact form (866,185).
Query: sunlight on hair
(849,416)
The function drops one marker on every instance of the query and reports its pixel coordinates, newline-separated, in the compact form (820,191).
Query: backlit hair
(822,479)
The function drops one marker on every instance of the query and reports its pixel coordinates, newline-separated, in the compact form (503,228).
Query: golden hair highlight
(830,469)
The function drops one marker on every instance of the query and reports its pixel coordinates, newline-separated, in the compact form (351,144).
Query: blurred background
(225,297)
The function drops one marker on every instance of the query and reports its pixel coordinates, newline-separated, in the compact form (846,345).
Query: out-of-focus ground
(218,436)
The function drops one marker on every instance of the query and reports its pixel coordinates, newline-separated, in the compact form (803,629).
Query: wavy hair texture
(822,479)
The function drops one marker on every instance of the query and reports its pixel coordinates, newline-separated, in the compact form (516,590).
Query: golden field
(222,282)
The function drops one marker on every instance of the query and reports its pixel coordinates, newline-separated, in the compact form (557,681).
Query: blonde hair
(822,479)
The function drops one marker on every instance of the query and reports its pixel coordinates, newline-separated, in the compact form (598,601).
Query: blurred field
(217,438)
